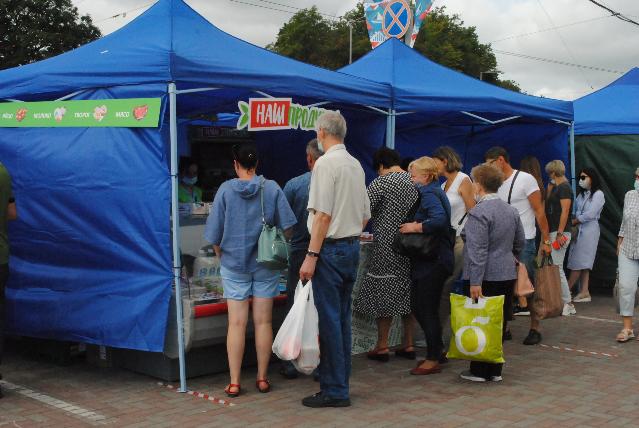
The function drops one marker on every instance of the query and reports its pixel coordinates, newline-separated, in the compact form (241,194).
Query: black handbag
(417,245)
(422,246)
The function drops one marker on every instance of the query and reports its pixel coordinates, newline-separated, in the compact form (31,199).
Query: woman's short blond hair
(426,166)
(556,167)
(488,176)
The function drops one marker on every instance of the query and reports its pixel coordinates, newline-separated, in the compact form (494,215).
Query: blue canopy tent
(91,253)
(607,139)
(434,105)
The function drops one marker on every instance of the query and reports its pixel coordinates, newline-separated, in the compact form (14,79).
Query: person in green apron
(188,192)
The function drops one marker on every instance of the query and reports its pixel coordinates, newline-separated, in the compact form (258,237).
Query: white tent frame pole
(191,91)
(378,110)
(71,95)
(393,128)
(572,158)
(389,129)
(176,234)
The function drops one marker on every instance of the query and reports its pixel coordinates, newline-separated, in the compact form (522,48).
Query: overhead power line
(292,12)
(563,41)
(614,13)
(123,14)
(554,61)
(572,24)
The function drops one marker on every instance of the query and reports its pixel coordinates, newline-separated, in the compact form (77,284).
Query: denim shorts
(262,283)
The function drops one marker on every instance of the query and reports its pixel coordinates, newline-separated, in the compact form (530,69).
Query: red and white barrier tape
(580,351)
(199,395)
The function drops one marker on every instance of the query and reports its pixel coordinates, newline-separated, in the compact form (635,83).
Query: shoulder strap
(262,198)
(510,194)
(462,219)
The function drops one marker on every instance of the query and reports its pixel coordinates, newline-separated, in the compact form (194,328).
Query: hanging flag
(422,9)
(388,18)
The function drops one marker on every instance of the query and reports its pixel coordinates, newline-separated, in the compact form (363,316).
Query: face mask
(189,181)
(320,146)
(553,182)
(637,185)
(584,184)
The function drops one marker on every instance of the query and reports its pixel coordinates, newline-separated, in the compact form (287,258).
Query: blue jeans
(527,257)
(333,282)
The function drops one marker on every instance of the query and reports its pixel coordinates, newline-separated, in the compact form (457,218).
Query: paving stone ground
(554,385)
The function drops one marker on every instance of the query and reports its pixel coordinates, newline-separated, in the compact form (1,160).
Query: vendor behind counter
(188,192)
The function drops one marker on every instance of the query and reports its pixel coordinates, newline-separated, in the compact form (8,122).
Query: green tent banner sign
(271,114)
(122,113)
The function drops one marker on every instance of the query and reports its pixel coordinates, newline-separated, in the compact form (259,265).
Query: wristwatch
(312,254)
(548,242)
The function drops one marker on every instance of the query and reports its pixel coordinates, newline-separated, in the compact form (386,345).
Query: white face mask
(584,184)
(320,146)
(552,181)
(637,185)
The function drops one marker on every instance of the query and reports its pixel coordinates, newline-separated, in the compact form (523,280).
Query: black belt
(348,240)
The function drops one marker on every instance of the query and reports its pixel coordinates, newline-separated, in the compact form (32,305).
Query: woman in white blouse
(583,247)
(628,254)
(459,190)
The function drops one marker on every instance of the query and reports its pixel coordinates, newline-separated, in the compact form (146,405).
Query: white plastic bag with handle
(288,342)
(309,356)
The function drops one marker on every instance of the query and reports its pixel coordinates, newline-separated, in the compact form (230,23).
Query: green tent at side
(607,139)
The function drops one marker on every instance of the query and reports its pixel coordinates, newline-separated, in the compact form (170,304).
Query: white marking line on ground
(54,402)
(199,395)
(598,319)
(581,351)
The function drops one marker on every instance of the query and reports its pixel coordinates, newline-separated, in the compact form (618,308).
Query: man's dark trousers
(333,282)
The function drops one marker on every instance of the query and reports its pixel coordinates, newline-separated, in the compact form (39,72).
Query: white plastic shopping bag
(309,356)
(288,342)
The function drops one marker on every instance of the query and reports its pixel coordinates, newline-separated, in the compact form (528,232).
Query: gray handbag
(272,248)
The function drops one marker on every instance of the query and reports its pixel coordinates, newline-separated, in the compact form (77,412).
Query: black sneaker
(507,336)
(321,400)
(533,338)
(519,311)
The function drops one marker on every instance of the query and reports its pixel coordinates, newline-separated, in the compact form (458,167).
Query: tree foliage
(315,39)
(32,30)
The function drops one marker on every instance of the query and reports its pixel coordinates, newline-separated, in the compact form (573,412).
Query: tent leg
(572,158)
(176,234)
(389,129)
(393,129)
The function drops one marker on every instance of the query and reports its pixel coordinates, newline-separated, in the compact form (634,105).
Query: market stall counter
(205,327)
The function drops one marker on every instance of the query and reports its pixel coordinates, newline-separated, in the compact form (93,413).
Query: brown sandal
(231,394)
(261,381)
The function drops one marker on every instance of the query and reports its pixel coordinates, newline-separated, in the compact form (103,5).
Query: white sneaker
(496,378)
(569,309)
(580,298)
(467,375)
